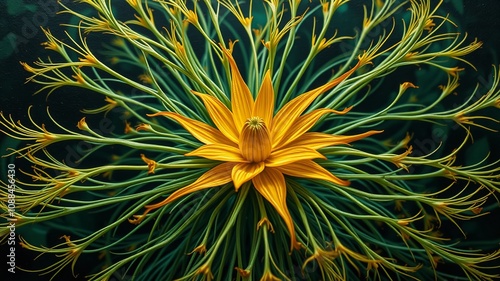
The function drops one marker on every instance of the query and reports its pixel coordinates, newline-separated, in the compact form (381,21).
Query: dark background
(479,18)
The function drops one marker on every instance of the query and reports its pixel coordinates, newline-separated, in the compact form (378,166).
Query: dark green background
(479,18)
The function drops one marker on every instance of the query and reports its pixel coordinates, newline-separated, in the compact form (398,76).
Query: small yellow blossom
(151,164)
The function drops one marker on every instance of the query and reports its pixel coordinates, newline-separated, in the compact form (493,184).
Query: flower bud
(255,143)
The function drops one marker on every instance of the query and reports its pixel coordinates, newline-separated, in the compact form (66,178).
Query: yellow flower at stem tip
(256,146)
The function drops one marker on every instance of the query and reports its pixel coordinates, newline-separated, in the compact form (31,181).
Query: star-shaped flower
(256,145)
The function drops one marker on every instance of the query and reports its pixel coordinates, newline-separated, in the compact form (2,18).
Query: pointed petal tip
(344,111)
(264,103)
(244,172)
(221,116)
(345,183)
(271,185)
(195,93)
(242,101)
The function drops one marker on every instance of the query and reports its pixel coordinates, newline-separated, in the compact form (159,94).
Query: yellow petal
(218,175)
(291,154)
(270,183)
(264,104)
(243,172)
(287,115)
(220,114)
(315,140)
(241,99)
(310,170)
(201,131)
(218,152)
(304,123)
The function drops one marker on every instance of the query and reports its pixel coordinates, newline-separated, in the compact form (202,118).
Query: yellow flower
(256,146)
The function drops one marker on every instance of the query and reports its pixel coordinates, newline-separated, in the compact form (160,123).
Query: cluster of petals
(255,145)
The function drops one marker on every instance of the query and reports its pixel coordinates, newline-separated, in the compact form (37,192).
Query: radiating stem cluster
(176,77)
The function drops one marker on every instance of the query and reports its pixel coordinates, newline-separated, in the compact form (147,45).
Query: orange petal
(201,131)
(287,115)
(218,175)
(270,183)
(241,99)
(314,140)
(304,123)
(310,170)
(220,114)
(264,104)
(218,152)
(243,172)
(291,154)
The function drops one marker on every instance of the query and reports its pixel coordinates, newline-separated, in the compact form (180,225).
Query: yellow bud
(192,17)
(243,272)
(406,85)
(27,67)
(200,250)
(325,7)
(151,164)
(79,78)
(403,222)
(255,143)
(143,127)
(82,125)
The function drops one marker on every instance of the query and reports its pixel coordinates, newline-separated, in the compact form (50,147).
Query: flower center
(255,122)
(255,143)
